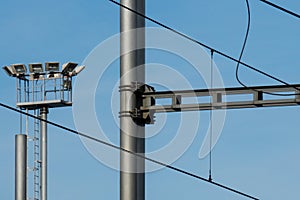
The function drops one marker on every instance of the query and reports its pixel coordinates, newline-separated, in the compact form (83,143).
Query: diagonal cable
(130,152)
(281,8)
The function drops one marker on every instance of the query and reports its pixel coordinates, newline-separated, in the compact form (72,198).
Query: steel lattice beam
(224,98)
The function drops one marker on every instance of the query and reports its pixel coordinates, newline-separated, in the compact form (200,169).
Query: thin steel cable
(130,152)
(242,53)
(281,8)
(211,117)
(204,45)
(244,45)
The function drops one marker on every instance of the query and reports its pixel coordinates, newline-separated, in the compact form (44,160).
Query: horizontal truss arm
(224,98)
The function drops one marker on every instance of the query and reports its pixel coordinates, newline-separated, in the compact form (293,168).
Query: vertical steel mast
(132,70)
(21,167)
(43,153)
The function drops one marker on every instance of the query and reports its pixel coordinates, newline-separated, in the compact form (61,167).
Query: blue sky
(259,148)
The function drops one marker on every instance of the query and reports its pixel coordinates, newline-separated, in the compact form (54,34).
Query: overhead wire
(281,8)
(127,151)
(241,55)
(244,45)
(211,116)
(203,45)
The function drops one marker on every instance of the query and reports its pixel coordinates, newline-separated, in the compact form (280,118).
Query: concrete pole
(132,134)
(20,167)
(43,154)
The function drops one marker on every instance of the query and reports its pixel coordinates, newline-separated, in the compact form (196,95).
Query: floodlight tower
(38,91)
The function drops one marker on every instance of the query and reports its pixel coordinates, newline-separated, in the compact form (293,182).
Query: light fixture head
(19,69)
(77,70)
(9,70)
(36,68)
(67,68)
(52,66)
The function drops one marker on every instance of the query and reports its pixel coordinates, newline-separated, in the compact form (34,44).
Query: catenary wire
(281,8)
(241,55)
(244,44)
(127,151)
(204,45)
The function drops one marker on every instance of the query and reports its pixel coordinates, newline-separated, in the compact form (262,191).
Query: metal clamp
(144,117)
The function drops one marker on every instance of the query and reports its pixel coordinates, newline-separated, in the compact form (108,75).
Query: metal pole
(43,153)
(132,183)
(20,167)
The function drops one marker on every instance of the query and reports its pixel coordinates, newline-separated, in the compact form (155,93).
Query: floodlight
(52,66)
(19,69)
(36,68)
(9,71)
(77,70)
(67,68)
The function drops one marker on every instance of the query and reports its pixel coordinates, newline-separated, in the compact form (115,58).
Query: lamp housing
(52,66)
(36,68)
(9,70)
(67,68)
(19,69)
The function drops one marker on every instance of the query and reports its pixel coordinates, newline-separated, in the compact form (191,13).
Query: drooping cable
(203,45)
(129,152)
(281,8)
(241,55)
(211,116)
(244,45)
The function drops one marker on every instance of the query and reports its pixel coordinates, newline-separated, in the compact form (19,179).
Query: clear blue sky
(258,151)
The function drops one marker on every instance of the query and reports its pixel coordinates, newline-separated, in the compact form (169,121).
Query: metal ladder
(37,162)
(35,143)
